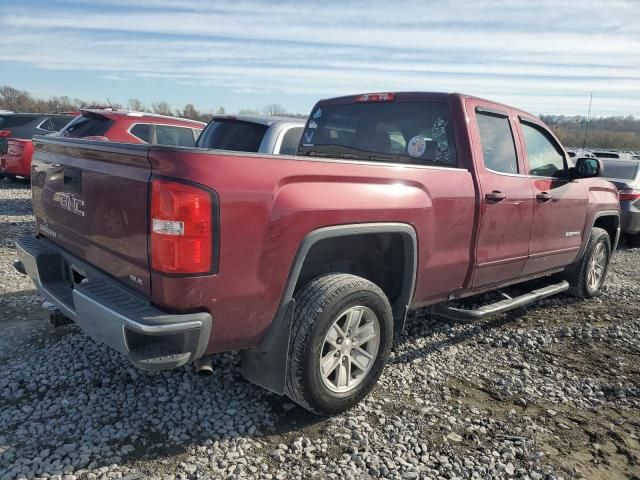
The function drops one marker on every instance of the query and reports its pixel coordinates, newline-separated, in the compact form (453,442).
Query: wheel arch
(609,220)
(367,250)
(266,364)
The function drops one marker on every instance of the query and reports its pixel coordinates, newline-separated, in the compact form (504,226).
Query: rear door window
(87,125)
(404,132)
(498,146)
(172,135)
(234,135)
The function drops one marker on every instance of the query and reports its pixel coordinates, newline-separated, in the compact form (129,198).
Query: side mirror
(587,168)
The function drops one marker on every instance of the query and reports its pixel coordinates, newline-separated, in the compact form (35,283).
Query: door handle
(544,196)
(495,196)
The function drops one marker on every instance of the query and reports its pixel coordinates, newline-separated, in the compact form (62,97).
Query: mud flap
(266,365)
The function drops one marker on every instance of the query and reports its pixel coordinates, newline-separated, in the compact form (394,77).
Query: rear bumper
(630,218)
(150,338)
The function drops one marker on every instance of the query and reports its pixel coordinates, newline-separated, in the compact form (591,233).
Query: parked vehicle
(17,129)
(253,133)
(580,153)
(26,125)
(612,155)
(133,127)
(309,263)
(116,126)
(625,175)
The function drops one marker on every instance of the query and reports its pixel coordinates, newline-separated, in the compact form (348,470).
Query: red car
(109,125)
(16,130)
(309,263)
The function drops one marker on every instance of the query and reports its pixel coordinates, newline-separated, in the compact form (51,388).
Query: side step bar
(452,313)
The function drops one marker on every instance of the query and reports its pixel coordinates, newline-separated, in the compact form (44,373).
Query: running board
(452,313)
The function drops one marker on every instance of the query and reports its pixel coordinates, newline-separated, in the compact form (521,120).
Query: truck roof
(436,96)
(266,120)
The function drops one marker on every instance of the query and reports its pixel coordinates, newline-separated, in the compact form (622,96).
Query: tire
(581,283)
(321,305)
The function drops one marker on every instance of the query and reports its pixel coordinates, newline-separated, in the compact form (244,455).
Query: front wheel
(340,341)
(588,275)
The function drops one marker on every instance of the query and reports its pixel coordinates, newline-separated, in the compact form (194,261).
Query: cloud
(539,53)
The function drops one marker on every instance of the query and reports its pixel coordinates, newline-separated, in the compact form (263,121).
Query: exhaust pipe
(203,366)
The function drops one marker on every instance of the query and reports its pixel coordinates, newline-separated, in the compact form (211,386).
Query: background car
(26,125)
(16,130)
(612,155)
(625,175)
(106,125)
(253,133)
(133,127)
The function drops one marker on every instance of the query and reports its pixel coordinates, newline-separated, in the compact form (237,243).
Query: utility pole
(586,128)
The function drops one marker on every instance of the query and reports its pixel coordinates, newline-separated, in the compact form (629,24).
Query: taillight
(629,195)
(181,228)
(376,97)
(5,133)
(15,149)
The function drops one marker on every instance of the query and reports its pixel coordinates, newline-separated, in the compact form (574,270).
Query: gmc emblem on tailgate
(74,205)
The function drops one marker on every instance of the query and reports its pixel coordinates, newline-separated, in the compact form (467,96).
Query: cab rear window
(406,132)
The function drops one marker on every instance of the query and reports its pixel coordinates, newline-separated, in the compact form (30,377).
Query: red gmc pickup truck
(309,263)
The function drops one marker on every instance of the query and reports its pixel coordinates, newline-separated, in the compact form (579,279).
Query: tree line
(21,101)
(616,132)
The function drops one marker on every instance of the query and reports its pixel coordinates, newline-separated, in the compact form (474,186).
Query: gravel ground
(545,393)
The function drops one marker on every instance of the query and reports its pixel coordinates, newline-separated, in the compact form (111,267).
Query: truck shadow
(62,393)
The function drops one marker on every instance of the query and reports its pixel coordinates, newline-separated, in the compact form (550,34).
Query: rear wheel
(588,275)
(340,342)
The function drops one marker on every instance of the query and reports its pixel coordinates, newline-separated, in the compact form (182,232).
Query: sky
(543,56)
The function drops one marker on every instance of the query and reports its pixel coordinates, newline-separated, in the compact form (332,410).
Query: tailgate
(91,199)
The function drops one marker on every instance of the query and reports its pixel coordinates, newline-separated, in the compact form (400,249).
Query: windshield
(232,135)
(620,169)
(87,125)
(415,132)
(16,120)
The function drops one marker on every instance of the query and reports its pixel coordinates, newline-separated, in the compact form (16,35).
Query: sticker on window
(439,128)
(439,133)
(417,146)
(308,136)
(313,124)
(318,114)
